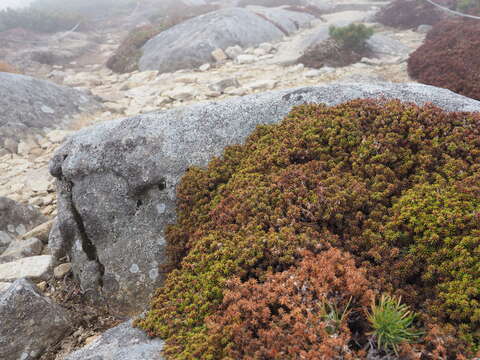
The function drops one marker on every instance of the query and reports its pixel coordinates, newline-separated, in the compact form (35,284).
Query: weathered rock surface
(19,249)
(31,105)
(123,342)
(190,44)
(116,187)
(16,219)
(30,322)
(287,21)
(4,286)
(34,268)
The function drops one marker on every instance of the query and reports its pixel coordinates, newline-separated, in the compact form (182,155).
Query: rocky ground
(25,178)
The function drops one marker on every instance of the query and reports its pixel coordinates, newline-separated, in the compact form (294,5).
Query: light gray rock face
(123,342)
(29,105)
(190,44)
(386,45)
(19,249)
(287,21)
(16,219)
(35,268)
(30,322)
(117,180)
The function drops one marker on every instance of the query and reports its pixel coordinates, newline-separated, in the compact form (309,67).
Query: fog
(15,4)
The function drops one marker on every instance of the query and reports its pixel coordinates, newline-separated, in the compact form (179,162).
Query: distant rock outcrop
(116,181)
(190,44)
(31,105)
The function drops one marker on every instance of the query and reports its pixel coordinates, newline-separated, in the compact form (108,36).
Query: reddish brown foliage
(5,67)
(407,14)
(450,58)
(289,316)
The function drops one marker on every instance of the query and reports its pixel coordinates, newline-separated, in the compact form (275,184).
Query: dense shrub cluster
(126,57)
(5,67)
(293,314)
(352,36)
(270,236)
(406,14)
(450,58)
(345,46)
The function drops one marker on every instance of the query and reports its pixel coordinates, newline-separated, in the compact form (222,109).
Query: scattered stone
(57,136)
(121,343)
(246,59)
(295,68)
(423,29)
(181,93)
(219,55)
(221,85)
(187,79)
(41,232)
(42,286)
(259,52)
(35,268)
(267,47)
(21,249)
(233,51)
(62,270)
(4,287)
(205,67)
(262,85)
(30,322)
(40,181)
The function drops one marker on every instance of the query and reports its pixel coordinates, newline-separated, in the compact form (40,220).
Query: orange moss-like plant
(389,183)
(5,67)
(305,312)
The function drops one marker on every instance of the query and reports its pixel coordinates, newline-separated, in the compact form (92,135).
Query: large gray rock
(123,342)
(190,44)
(117,180)
(287,21)
(30,322)
(29,105)
(16,219)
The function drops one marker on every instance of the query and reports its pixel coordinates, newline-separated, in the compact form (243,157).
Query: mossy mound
(392,186)
(408,14)
(449,58)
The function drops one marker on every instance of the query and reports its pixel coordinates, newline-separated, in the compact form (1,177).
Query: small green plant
(392,323)
(333,317)
(352,36)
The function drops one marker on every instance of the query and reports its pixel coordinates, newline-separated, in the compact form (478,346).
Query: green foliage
(392,323)
(352,36)
(438,226)
(394,185)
